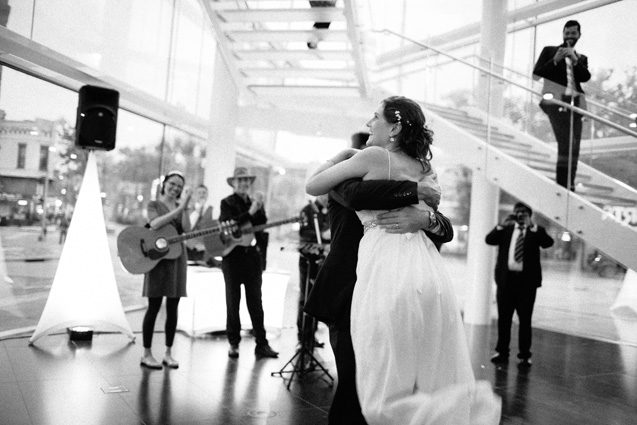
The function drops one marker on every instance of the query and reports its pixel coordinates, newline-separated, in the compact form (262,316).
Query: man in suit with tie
(200,218)
(518,274)
(563,70)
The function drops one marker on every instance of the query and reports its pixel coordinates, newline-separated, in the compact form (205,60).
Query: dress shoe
(150,362)
(233,351)
(265,351)
(170,362)
(499,359)
(525,363)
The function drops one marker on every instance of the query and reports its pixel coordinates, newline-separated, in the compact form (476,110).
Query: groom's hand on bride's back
(430,194)
(404,220)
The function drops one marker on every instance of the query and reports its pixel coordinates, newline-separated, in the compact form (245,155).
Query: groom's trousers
(345,409)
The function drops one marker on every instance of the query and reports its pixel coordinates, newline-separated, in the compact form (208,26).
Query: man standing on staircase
(563,69)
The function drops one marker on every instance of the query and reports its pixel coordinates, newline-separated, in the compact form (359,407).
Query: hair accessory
(397,114)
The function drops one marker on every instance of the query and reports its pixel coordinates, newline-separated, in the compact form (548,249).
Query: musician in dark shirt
(243,265)
(312,250)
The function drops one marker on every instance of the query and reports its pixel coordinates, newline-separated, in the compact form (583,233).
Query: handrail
(511,82)
(592,116)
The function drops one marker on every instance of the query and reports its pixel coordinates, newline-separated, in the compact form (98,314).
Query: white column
(220,149)
(485,197)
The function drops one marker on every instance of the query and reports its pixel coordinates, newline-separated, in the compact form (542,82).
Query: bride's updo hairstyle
(415,138)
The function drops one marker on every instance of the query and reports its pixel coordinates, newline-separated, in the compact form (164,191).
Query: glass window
(22,155)
(185,75)
(17,16)
(185,153)
(128,40)
(34,116)
(44,158)
(206,73)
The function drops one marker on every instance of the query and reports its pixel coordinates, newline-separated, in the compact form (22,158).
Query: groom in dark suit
(563,69)
(331,297)
(518,274)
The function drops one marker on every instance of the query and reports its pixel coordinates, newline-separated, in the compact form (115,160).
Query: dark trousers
(308,269)
(345,408)
(243,266)
(514,296)
(148,325)
(560,119)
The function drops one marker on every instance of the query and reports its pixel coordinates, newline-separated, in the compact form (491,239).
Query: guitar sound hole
(161,243)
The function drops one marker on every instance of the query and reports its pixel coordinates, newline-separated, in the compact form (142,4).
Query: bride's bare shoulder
(374,154)
(428,174)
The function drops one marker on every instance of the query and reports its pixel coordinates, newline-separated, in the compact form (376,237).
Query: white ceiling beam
(284,35)
(315,14)
(357,47)
(305,91)
(334,74)
(284,55)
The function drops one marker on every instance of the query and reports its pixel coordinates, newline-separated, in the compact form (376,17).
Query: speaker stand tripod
(303,362)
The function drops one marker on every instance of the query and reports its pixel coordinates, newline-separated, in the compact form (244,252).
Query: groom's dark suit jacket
(533,241)
(331,297)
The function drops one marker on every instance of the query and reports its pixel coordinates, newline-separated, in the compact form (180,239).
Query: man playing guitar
(243,265)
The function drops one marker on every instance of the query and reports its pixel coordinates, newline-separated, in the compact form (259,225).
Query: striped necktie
(518,254)
(570,78)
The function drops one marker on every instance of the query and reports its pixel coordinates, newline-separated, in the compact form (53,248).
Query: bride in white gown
(412,359)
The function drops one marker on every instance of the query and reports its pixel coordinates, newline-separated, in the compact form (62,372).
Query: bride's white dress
(412,359)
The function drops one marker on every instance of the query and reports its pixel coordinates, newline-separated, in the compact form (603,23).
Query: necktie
(570,79)
(518,254)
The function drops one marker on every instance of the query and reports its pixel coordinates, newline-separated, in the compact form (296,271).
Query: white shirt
(197,212)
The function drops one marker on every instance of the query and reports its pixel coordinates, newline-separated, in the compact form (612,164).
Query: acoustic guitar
(243,235)
(140,248)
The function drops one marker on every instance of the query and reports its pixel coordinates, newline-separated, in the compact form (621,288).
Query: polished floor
(573,380)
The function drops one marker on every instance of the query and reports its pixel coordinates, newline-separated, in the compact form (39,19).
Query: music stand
(303,362)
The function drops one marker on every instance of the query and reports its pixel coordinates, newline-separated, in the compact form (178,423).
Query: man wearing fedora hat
(243,265)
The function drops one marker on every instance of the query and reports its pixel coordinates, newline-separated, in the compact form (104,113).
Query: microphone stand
(303,361)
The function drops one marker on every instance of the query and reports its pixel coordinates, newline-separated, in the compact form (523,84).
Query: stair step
(549,171)
(528,155)
(613,200)
(460,117)
(509,144)
(499,138)
(597,187)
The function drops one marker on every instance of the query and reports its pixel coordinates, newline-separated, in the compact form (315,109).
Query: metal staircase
(601,190)
(525,168)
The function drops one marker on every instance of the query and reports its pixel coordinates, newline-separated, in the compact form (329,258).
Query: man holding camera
(518,274)
(563,70)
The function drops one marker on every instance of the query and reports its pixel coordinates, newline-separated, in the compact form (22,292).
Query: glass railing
(456,81)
